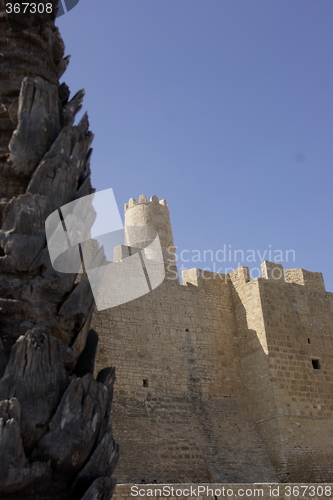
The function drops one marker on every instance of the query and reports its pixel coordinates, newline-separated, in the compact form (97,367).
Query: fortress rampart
(223,378)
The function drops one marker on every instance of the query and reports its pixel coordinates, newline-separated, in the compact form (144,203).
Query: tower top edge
(143,200)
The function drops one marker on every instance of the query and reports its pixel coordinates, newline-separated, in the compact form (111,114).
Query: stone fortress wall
(221,379)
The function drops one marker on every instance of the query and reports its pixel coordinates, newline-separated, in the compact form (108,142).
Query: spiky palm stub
(55,437)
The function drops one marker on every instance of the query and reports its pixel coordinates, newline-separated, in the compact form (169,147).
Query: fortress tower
(141,215)
(223,378)
(144,220)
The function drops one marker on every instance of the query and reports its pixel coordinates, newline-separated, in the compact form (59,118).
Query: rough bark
(55,437)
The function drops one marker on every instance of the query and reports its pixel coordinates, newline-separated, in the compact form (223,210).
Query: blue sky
(224,108)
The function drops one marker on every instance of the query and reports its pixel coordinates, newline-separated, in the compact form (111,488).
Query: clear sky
(222,107)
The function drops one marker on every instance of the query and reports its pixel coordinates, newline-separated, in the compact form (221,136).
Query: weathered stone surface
(107,377)
(103,460)
(74,310)
(56,176)
(86,361)
(74,427)
(3,359)
(15,471)
(36,376)
(223,378)
(38,125)
(11,450)
(101,489)
(51,421)
(80,339)
(22,236)
(71,108)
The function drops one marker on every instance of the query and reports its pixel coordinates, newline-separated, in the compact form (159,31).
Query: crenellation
(218,353)
(240,276)
(311,280)
(143,200)
(132,202)
(272,271)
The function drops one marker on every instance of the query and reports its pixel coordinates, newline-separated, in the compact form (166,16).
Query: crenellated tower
(143,221)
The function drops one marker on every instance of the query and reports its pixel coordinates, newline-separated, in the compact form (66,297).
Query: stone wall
(299,332)
(175,341)
(221,379)
(285,333)
(178,410)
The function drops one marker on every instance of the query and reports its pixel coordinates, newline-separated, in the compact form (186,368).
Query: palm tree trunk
(55,437)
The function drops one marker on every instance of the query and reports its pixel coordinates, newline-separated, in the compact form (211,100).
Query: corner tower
(143,221)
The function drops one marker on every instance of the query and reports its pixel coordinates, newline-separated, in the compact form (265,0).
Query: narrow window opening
(316,364)
(309,341)
(145,383)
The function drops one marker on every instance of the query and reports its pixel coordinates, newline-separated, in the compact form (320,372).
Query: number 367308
(28,8)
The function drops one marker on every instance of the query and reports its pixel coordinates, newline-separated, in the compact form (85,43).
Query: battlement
(310,279)
(143,199)
(201,278)
(222,352)
(271,271)
(274,272)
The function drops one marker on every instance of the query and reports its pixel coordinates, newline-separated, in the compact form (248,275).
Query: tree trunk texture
(55,438)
